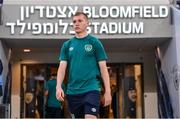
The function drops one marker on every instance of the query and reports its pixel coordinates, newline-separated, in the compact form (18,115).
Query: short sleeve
(63,53)
(46,86)
(100,51)
(64,87)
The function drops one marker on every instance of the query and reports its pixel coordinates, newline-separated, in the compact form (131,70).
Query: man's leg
(75,105)
(50,112)
(91,105)
(89,116)
(58,113)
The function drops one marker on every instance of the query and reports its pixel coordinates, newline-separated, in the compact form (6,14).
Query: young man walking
(85,58)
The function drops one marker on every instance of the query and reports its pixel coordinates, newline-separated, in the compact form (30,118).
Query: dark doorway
(33,78)
(127,90)
(126,81)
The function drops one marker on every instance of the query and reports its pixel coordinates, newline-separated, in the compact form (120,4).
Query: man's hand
(105,76)
(107,99)
(59,94)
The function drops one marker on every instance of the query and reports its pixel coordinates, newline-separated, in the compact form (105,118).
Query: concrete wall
(153,27)
(171,63)
(99,2)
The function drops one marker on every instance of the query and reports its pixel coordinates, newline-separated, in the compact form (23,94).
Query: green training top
(51,87)
(83,55)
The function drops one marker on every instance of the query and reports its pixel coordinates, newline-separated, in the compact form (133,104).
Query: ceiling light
(26,50)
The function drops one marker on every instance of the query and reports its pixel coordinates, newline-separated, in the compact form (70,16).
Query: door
(33,78)
(127,91)
(132,91)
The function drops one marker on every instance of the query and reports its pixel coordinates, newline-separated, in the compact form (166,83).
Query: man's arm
(46,93)
(60,77)
(105,77)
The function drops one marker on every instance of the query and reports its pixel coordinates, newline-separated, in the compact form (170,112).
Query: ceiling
(111,45)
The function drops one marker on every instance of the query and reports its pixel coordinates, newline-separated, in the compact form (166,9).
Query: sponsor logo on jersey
(71,49)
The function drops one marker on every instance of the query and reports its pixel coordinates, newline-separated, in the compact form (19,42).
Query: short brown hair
(80,13)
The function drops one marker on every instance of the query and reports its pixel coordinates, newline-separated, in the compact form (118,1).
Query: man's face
(80,24)
(132,95)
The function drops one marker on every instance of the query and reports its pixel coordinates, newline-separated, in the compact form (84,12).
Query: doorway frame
(121,66)
(22,105)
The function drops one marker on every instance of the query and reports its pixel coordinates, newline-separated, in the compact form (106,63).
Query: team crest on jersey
(88,47)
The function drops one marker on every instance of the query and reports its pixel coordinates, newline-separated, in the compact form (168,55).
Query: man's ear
(88,23)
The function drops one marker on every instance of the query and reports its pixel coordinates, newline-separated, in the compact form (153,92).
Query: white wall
(177,37)
(15,108)
(151,99)
(171,63)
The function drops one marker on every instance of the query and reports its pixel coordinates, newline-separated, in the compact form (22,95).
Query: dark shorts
(86,103)
(53,112)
